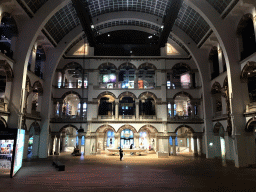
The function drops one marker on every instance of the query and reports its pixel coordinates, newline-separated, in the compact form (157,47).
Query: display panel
(18,151)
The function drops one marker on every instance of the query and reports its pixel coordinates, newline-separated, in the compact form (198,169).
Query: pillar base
(55,153)
(195,154)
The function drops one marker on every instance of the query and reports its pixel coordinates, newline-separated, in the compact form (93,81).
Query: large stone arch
(218,129)
(240,25)
(182,93)
(127,94)
(247,69)
(12,25)
(105,128)
(148,94)
(127,65)
(3,123)
(186,126)
(70,92)
(216,88)
(126,127)
(178,65)
(149,128)
(106,93)
(8,70)
(38,87)
(66,126)
(107,65)
(36,127)
(150,65)
(72,65)
(250,125)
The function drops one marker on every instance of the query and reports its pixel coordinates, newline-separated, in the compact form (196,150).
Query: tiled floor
(134,173)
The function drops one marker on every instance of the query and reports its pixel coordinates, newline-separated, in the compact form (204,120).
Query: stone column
(136,140)
(60,109)
(200,146)
(62,79)
(25,151)
(51,144)
(117,78)
(36,140)
(173,146)
(190,150)
(172,108)
(81,109)
(137,108)
(87,142)
(195,146)
(117,140)
(57,146)
(63,142)
(117,108)
(193,109)
(136,86)
(79,143)
(39,103)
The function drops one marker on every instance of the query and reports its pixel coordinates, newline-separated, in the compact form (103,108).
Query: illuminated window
(171,50)
(83,50)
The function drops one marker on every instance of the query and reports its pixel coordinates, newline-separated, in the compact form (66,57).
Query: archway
(147,104)
(180,77)
(246,34)
(147,138)
(216,92)
(108,78)
(34,140)
(182,106)
(127,75)
(66,140)
(146,78)
(218,131)
(71,107)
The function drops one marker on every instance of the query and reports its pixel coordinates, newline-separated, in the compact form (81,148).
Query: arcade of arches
(181,80)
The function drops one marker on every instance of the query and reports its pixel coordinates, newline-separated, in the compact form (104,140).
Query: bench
(59,165)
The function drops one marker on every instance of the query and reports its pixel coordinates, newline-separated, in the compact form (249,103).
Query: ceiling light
(130,51)
(108,35)
(162,27)
(92,26)
(150,36)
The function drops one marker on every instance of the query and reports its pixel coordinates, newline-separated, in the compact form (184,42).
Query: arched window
(143,140)
(40,59)
(246,34)
(180,77)
(214,62)
(71,106)
(107,76)
(8,29)
(127,106)
(126,76)
(146,78)
(110,139)
(182,105)
(147,106)
(107,105)
(216,96)
(126,138)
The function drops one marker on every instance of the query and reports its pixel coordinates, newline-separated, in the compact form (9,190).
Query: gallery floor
(134,173)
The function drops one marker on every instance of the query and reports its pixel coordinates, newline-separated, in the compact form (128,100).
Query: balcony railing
(121,85)
(69,118)
(128,117)
(180,86)
(151,117)
(185,119)
(104,117)
(71,85)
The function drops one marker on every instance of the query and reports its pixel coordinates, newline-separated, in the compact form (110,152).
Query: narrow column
(136,85)
(172,109)
(193,109)
(63,136)
(137,108)
(51,144)
(136,139)
(79,143)
(173,145)
(117,109)
(190,150)
(25,151)
(60,109)
(117,139)
(81,109)
(200,146)
(195,146)
(63,80)
(117,78)
(57,146)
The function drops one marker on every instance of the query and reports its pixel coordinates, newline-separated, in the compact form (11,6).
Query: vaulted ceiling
(188,20)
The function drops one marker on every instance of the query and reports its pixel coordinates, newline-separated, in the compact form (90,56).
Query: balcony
(147,117)
(185,119)
(72,85)
(106,117)
(6,50)
(68,119)
(250,109)
(180,86)
(35,115)
(121,85)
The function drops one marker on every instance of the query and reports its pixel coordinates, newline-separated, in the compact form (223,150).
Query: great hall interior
(164,76)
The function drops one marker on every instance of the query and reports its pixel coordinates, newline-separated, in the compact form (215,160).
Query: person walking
(121,154)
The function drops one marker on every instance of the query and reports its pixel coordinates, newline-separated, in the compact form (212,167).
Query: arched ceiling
(188,20)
